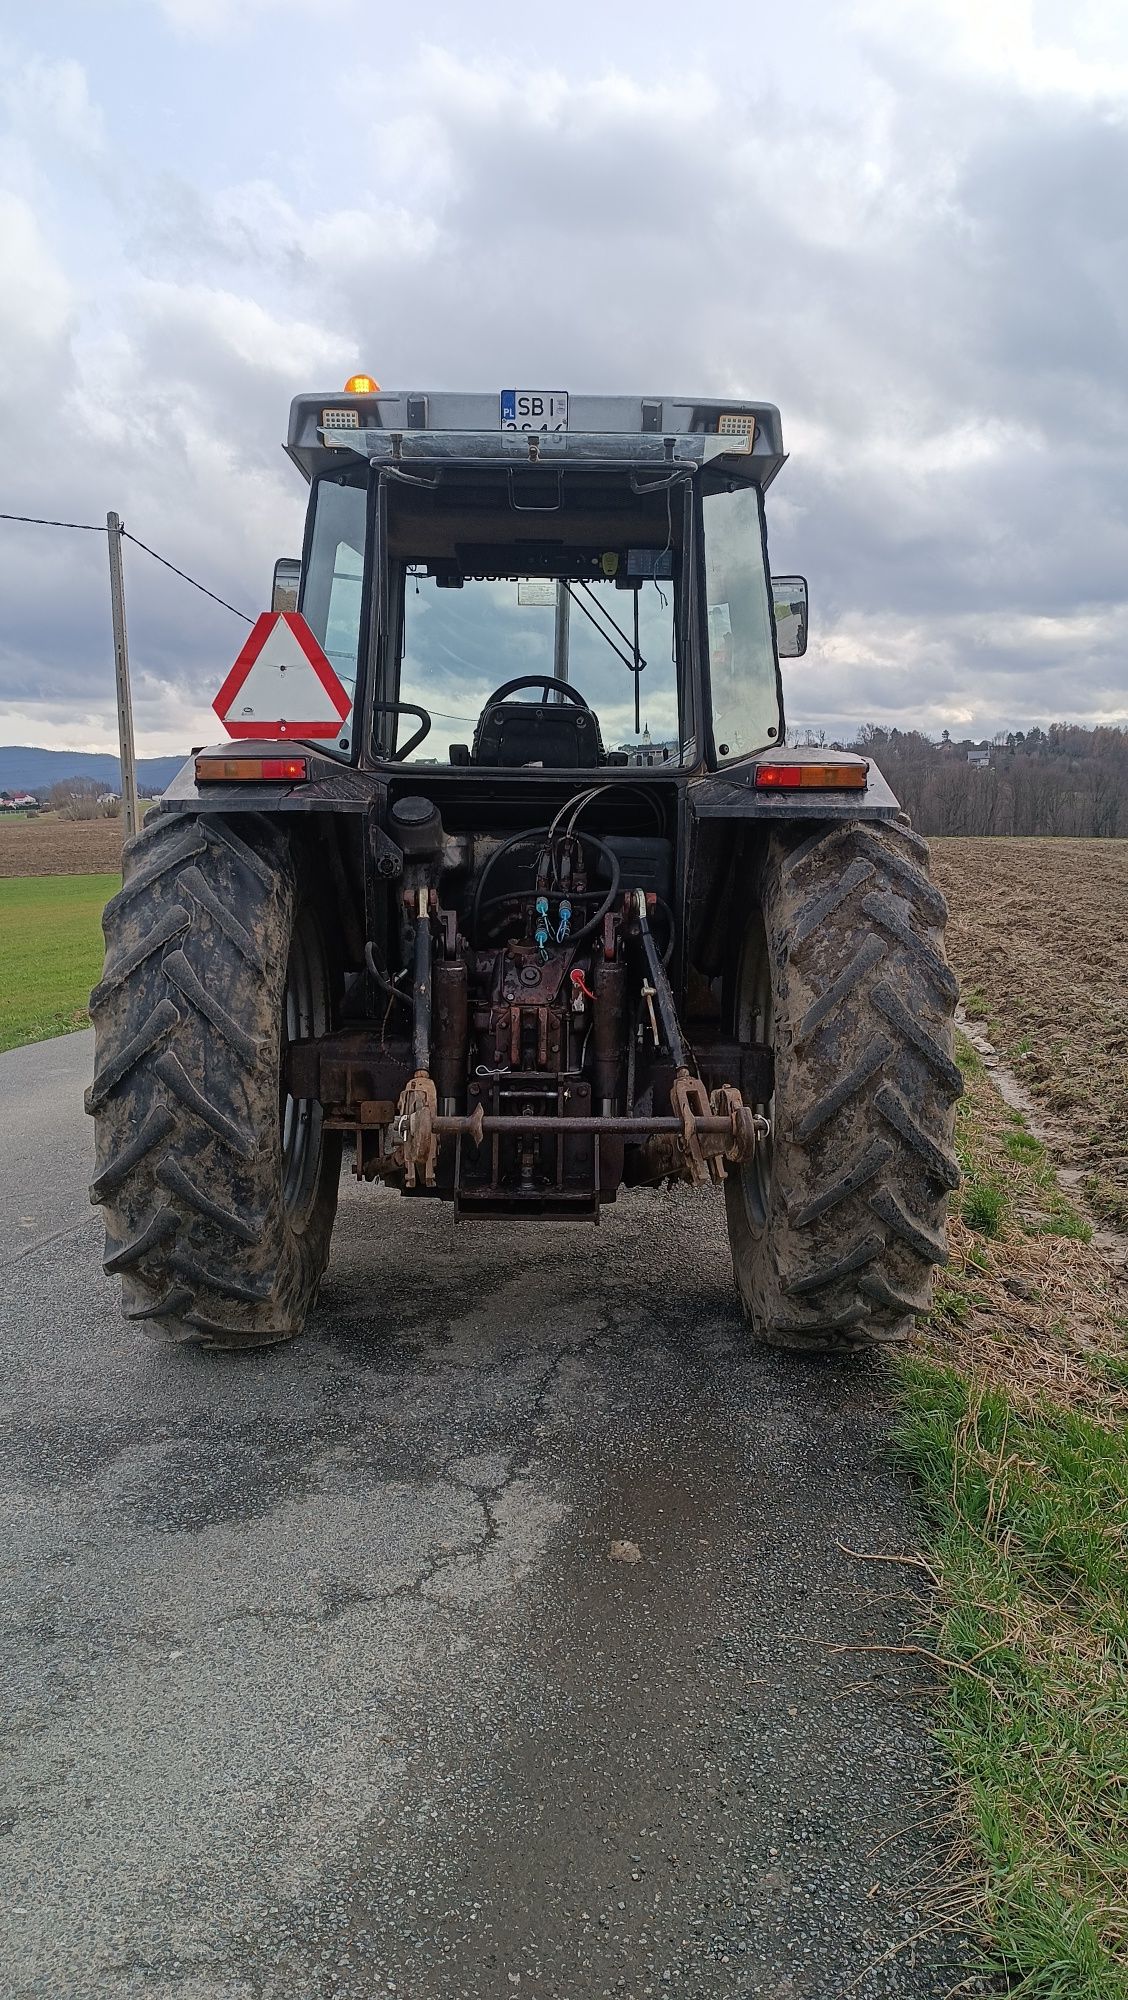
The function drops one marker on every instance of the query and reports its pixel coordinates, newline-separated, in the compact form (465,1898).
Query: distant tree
(1064,780)
(76,798)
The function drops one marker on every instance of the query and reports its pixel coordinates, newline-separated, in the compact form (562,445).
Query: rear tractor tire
(219,1189)
(835,1225)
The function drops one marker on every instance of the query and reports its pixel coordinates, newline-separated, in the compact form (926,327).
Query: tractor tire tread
(188,1023)
(159,1122)
(174,1076)
(118,1065)
(863,1159)
(846,1087)
(874,949)
(228,922)
(164,1223)
(166,928)
(172,1177)
(864,1169)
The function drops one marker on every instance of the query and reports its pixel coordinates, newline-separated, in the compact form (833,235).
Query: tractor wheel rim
(300,1117)
(755,1022)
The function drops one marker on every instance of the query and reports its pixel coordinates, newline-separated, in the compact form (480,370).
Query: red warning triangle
(282,684)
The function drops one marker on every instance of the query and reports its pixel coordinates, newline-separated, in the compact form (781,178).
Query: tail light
(241,770)
(810,777)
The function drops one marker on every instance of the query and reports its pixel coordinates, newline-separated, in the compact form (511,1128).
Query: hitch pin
(648,993)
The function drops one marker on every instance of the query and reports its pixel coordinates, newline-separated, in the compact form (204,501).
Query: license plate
(534,410)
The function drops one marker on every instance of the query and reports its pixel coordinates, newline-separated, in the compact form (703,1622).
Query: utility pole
(560,637)
(131,811)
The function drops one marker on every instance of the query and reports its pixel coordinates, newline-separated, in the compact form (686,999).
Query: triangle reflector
(282,684)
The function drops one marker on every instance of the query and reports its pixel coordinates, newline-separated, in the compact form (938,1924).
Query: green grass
(984,1206)
(1058,1216)
(1022,1145)
(50,952)
(1027,1512)
(983,1201)
(976,1005)
(1112,1368)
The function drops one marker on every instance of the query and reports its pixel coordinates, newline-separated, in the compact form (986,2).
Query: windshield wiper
(633,661)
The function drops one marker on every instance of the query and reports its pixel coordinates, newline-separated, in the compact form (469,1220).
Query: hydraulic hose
(542,834)
(381,978)
(515,840)
(610,855)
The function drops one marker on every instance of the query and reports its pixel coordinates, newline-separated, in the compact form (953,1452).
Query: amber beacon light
(362,385)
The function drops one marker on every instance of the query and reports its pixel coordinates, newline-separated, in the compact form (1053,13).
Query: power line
(36,521)
(245,616)
(94,528)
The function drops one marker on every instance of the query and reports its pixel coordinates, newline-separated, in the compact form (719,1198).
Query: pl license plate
(534,410)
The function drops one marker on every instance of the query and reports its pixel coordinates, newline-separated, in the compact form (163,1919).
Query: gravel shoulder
(318,1675)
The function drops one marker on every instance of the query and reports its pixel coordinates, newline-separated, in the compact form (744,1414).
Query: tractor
(541,905)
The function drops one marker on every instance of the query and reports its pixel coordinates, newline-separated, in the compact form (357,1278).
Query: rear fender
(330,788)
(732,795)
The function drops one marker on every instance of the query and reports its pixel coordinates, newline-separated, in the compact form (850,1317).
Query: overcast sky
(906,224)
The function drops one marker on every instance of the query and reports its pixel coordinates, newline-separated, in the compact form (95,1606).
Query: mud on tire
(835,1230)
(219,1192)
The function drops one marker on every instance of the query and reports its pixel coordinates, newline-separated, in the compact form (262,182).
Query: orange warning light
(362,385)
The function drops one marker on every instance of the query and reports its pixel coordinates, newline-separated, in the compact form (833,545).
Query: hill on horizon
(26,768)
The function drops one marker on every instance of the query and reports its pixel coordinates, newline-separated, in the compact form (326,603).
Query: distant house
(18,802)
(979,759)
(648,752)
(109,799)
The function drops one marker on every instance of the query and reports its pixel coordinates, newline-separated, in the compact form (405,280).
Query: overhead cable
(244,615)
(37,521)
(96,528)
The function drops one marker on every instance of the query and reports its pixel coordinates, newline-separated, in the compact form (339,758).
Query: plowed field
(48,845)
(1039,936)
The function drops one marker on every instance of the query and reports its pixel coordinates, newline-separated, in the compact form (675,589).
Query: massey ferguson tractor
(509,885)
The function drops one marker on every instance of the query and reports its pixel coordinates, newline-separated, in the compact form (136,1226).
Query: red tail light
(241,770)
(810,777)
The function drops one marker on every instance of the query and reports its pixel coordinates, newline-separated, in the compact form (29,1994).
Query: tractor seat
(561,734)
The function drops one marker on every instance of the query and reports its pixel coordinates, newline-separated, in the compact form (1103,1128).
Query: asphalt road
(318,1677)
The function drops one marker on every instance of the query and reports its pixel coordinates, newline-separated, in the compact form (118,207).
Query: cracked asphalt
(317,1675)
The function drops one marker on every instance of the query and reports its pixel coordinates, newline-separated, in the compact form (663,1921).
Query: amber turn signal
(237,770)
(810,777)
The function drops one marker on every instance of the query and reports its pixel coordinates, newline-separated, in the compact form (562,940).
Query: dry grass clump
(1026,1302)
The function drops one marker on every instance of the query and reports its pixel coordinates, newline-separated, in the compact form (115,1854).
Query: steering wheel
(535,680)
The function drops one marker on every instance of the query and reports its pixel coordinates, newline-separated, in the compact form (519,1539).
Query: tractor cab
(529,582)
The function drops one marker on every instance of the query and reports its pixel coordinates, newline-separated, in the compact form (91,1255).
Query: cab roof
(388,426)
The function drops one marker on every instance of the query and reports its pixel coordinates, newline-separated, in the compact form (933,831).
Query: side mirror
(287,577)
(789,600)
